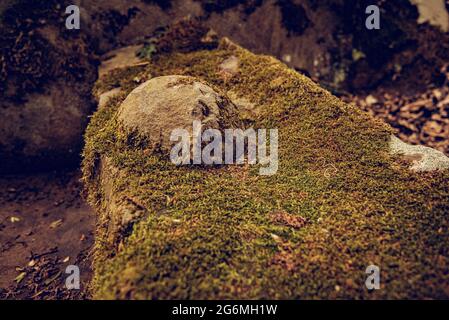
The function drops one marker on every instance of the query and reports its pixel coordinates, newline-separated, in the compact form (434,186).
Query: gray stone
(422,158)
(162,104)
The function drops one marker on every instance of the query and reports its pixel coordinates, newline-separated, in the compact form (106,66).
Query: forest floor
(45,226)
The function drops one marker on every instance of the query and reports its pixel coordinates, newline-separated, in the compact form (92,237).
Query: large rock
(47,73)
(45,130)
(339,202)
(163,104)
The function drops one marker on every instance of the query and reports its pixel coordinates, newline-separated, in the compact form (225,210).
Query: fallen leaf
(14,219)
(55,224)
(290,220)
(48,281)
(38,294)
(275,237)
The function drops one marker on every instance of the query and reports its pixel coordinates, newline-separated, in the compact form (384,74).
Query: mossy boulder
(339,202)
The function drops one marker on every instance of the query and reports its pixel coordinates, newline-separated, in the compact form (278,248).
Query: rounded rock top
(162,104)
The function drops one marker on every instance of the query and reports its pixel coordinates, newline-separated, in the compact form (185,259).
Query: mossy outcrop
(338,203)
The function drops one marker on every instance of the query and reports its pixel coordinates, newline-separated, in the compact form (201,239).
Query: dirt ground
(45,225)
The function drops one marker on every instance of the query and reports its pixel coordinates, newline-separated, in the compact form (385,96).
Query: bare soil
(45,225)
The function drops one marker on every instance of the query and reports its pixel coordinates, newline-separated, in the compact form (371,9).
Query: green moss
(126,78)
(209,232)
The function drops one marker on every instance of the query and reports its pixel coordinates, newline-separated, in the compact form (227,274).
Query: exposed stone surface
(104,97)
(162,104)
(433,12)
(423,158)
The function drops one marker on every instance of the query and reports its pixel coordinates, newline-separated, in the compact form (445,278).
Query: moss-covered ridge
(338,203)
